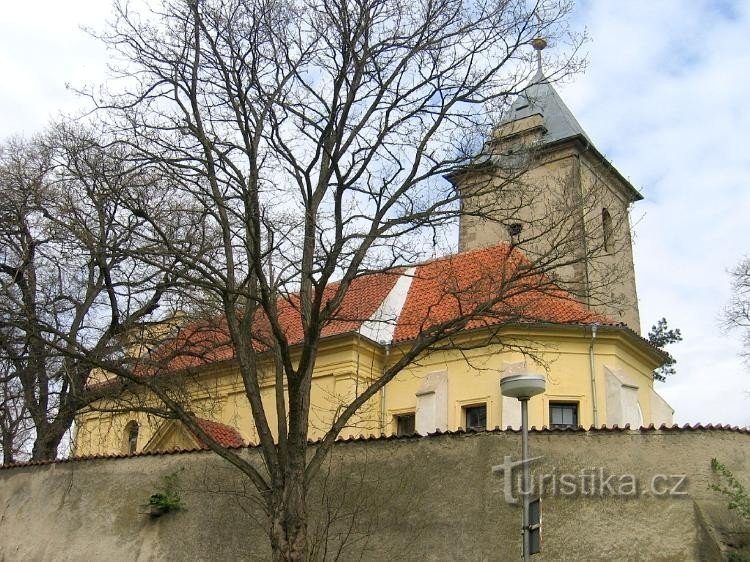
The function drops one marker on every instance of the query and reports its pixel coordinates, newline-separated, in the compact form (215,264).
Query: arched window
(131,437)
(607,230)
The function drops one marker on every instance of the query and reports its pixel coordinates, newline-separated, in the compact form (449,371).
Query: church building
(581,331)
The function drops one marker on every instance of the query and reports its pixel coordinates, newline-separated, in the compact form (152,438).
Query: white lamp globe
(522,386)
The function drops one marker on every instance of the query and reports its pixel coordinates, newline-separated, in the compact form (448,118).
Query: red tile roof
(206,342)
(224,435)
(362,299)
(195,344)
(463,284)
(442,290)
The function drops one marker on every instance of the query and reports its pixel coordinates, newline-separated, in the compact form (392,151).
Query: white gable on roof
(381,326)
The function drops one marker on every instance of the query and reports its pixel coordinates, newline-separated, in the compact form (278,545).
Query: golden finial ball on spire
(539,43)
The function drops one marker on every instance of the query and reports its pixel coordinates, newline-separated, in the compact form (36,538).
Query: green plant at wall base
(739,500)
(167,499)
(737,556)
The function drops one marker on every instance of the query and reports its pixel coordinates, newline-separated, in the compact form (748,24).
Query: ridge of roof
(603,429)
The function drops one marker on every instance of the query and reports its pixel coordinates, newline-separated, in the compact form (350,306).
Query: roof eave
(658,356)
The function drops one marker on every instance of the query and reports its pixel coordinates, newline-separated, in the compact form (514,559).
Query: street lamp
(523,387)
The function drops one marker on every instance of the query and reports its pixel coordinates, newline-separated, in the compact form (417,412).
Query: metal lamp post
(523,387)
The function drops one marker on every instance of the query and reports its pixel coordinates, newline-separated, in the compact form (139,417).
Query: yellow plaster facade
(437,389)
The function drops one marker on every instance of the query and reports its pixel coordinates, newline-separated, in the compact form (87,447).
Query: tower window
(607,230)
(514,230)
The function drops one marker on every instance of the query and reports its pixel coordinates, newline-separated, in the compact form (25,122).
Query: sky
(664,97)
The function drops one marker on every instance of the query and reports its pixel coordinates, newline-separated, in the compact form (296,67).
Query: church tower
(541,184)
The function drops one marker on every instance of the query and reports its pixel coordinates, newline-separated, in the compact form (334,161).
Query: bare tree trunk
(7,445)
(45,447)
(49,437)
(288,519)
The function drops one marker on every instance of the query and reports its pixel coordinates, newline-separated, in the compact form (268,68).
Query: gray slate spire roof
(539,97)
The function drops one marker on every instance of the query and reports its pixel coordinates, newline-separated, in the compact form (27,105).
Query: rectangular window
(563,414)
(405,424)
(476,417)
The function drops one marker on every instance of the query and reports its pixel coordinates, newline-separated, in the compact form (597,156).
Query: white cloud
(41,49)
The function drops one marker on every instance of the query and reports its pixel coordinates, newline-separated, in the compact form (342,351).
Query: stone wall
(433,498)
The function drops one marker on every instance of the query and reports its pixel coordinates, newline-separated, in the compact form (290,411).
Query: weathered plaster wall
(429,498)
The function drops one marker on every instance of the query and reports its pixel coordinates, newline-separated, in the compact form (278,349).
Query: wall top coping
(650,429)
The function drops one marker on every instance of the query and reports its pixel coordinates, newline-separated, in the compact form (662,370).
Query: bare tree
(737,312)
(15,425)
(306,146)
(67,278)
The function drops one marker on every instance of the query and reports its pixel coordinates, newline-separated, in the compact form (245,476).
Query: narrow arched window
(607,230)
(131,437)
